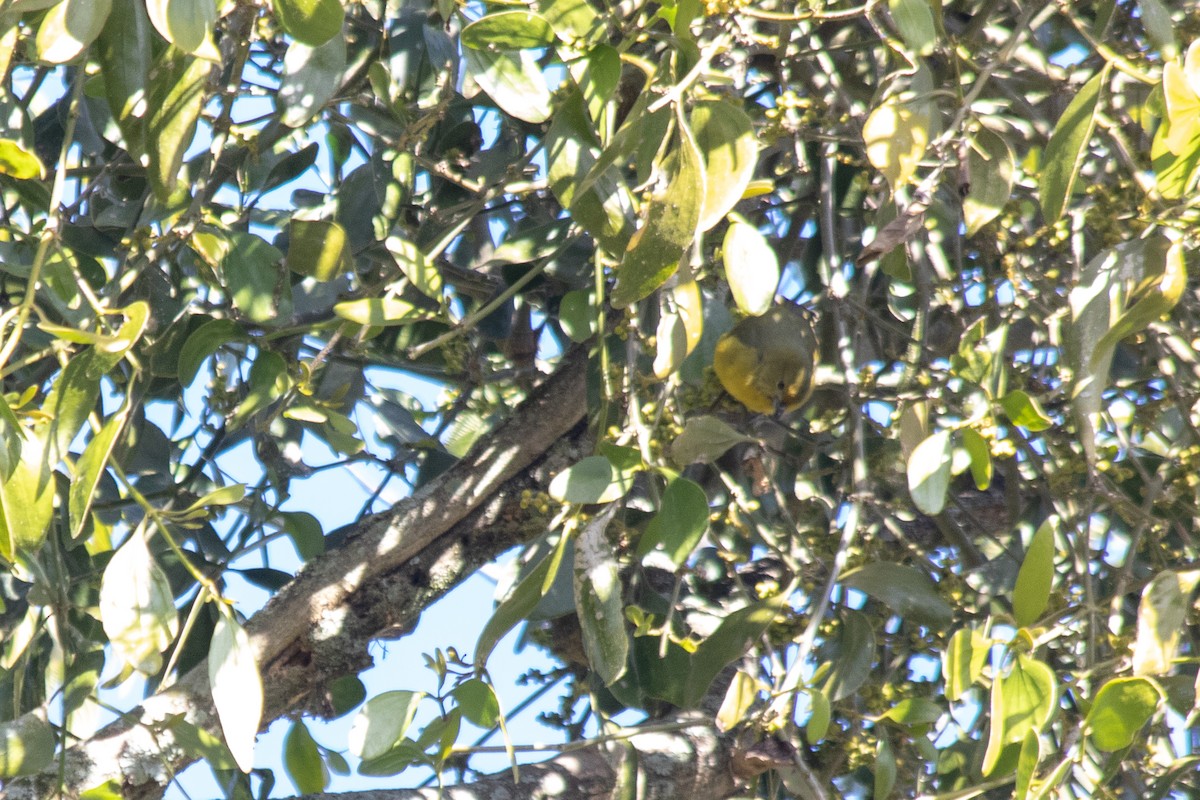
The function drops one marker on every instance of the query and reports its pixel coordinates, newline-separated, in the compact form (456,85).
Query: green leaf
(884,769)
(69,27)
(1031,754)
(1025,411)
(1121,708)
(679,524)
(929,473)
(704,439)
(269,381)
(317,249)
(603,206)
(305,532)
(302,760)
(1022,701)
(26,745)
(513,81)
(914,711)
(1036,577)
(598,76)
(577,315)
(137,607)
(907,591)
(598,599)
(478,703)
(592,480)
(236,686)
(572,20)
(914,20)
(851,653)
(981,457)
(380,311)
(11,436)
(90,468)
(751,267)
(725,137)
(991,167)
(963,661)
(1154,296)
(382,722)
(312,22)
(732,639)
(670,216)
(818,720)
(1156,19)
(420,271)
(1119,291)
(19,163)
(203,342)
(1067,146)
(508,30)
(226,495)
(257,284)
(124,52)
(1174,175)
(345,694)
(312,77)
(1161,618)
(178,84)
(526,244)
(187,24)
(739,698)
(70,400)
(26,500)
(520,602)
(896,134)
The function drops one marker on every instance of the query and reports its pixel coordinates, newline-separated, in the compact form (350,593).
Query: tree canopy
(964,565)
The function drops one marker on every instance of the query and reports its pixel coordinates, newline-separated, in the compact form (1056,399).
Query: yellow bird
(767,362)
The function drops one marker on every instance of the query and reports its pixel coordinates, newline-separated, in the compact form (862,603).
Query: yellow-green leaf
(379,311)
(69,27)
(26,745)
(725,136)
(27,499)
(19,163)
(990,168)
(963,661)
(313,22)
(929,473)
(137,608)
(178,89)
(90,468)
(1121,708)
(513,80)
(311,78)
(187,24)
(1067,146)
(236,687)
(1036,577)
(508,30)
(669,226)
(317,248)
(914,20)
(1160,620)
(896,135)
(420,271)
(751,267)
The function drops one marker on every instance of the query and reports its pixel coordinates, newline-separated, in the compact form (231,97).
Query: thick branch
(391,566)
(693,763)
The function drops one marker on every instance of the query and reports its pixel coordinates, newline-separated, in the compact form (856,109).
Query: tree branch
(391,566)
(693,762)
